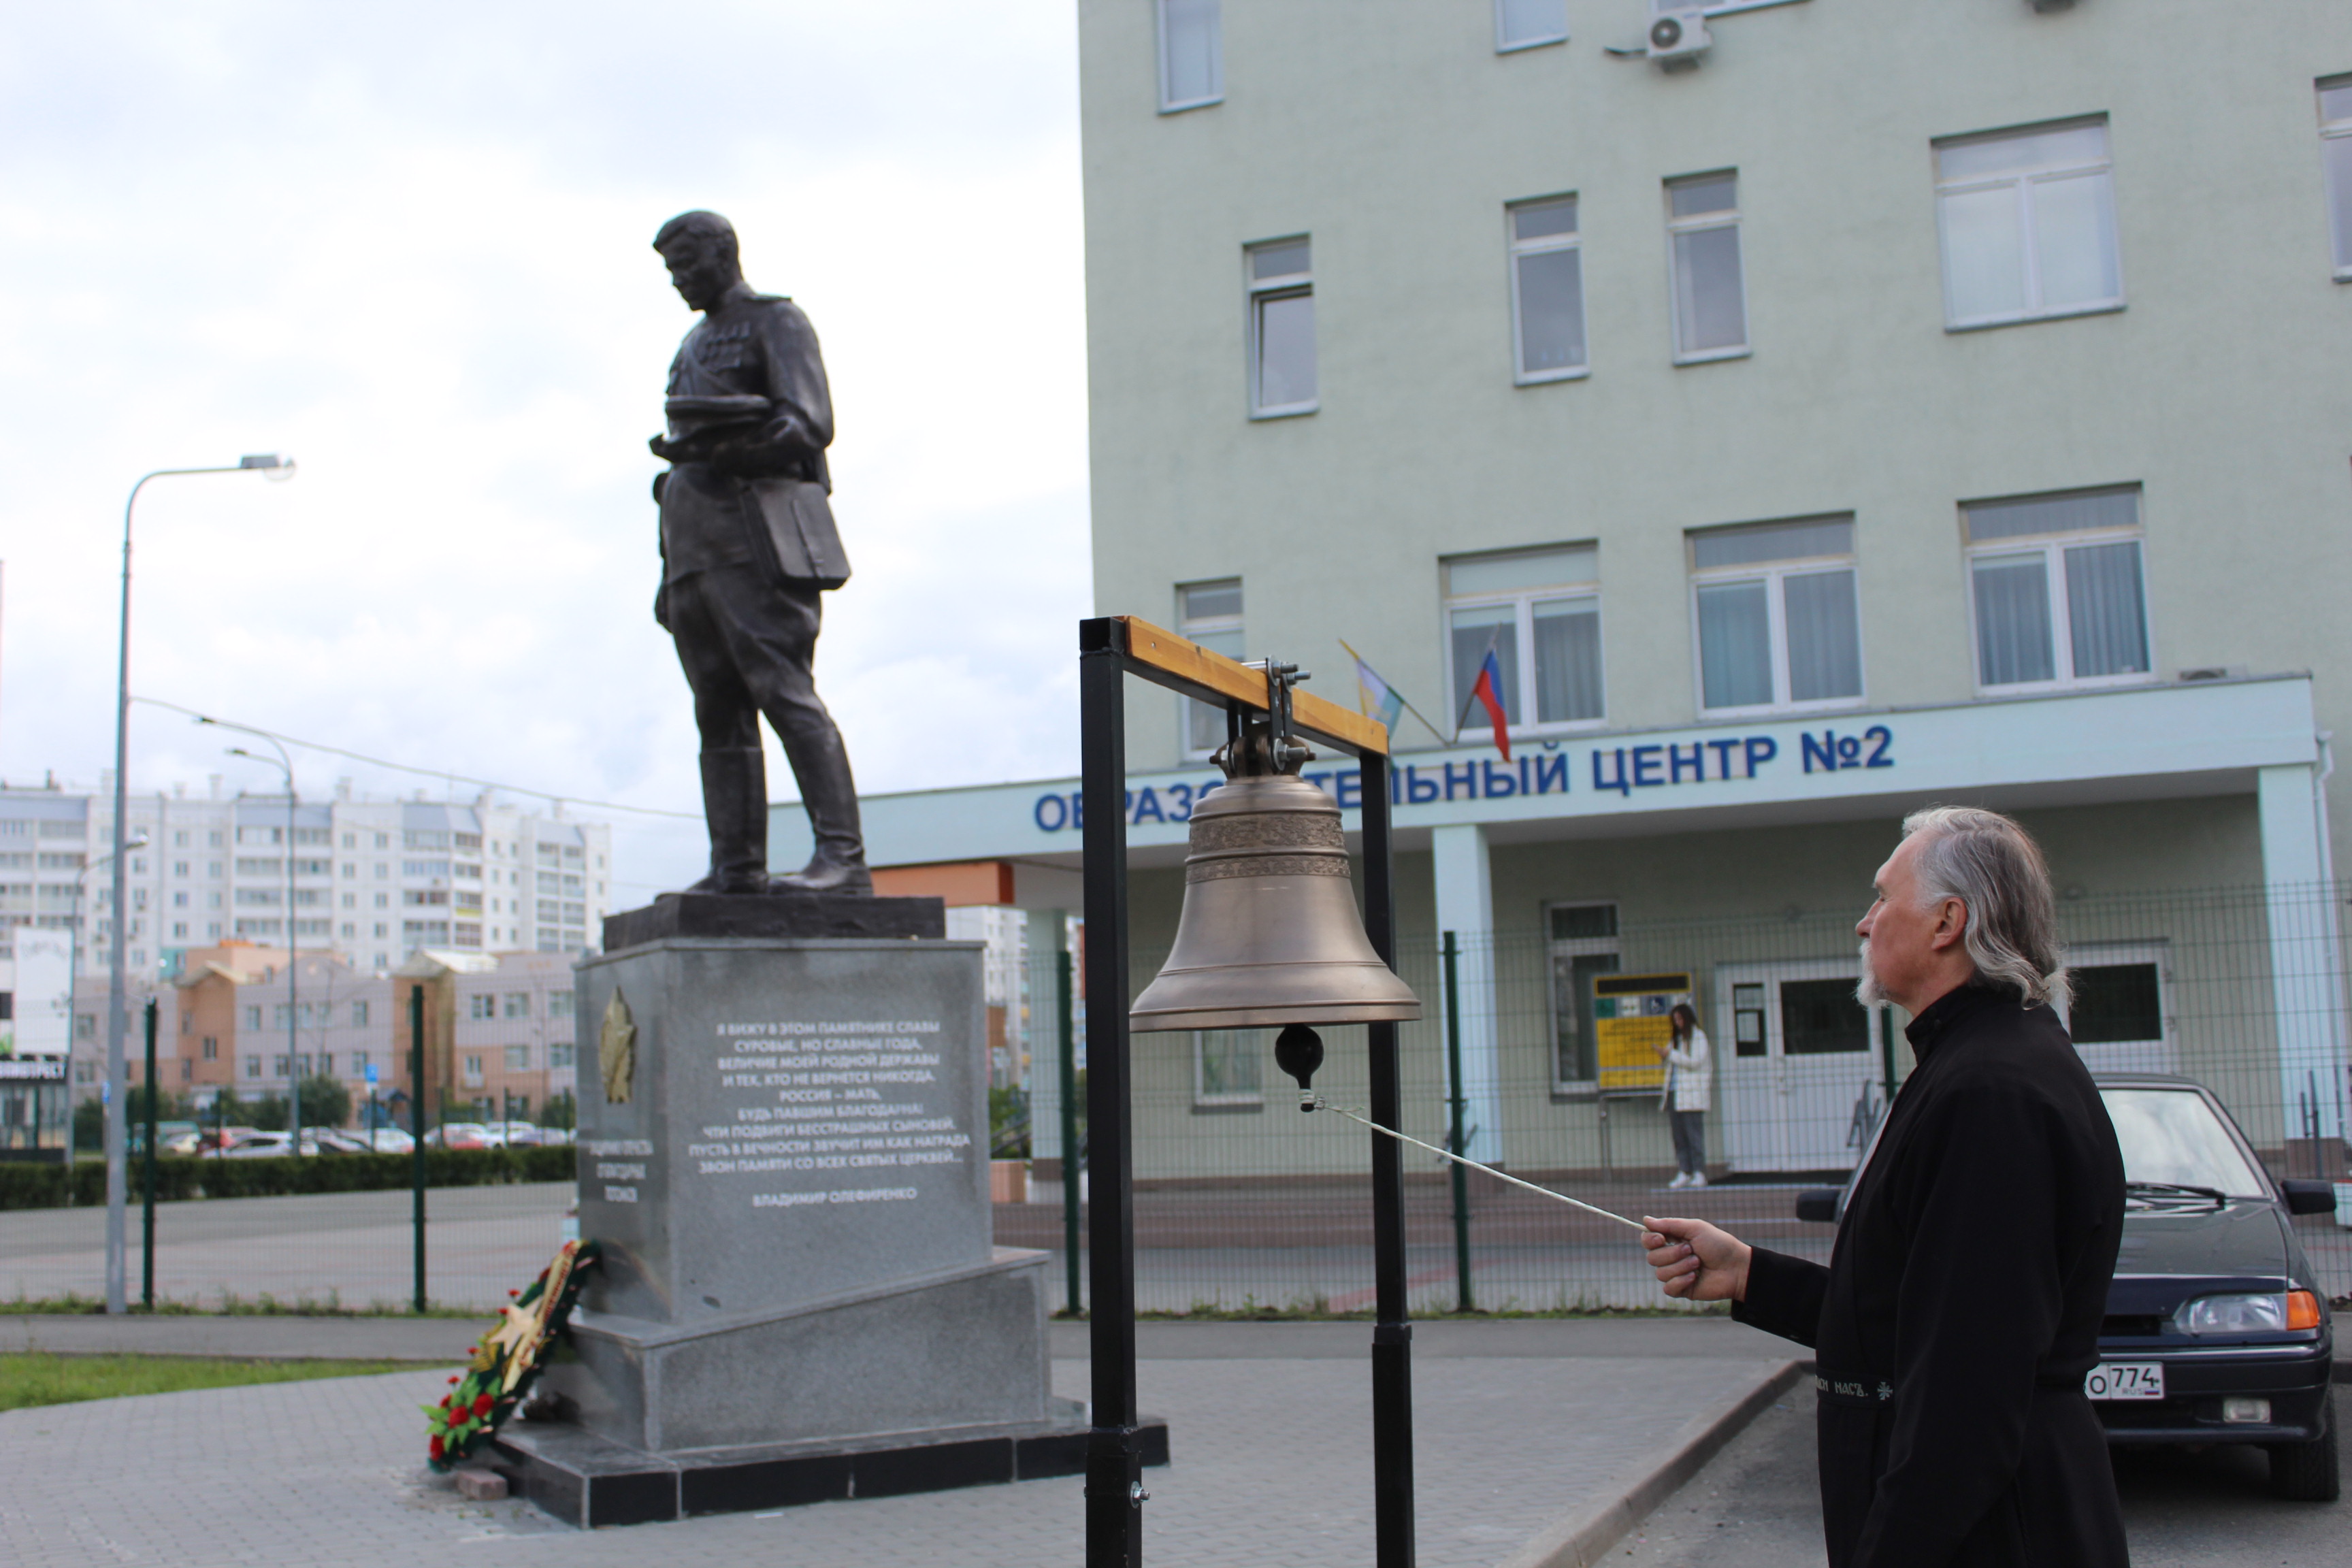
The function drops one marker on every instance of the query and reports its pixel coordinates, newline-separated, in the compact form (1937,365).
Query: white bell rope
(1319,1103)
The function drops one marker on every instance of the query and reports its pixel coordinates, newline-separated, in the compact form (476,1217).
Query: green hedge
(182,1176)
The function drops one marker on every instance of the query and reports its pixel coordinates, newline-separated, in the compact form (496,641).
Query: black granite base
(774,915)
(591,1481)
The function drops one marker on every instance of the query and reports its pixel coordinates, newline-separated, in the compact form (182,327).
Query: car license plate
(2126,1380)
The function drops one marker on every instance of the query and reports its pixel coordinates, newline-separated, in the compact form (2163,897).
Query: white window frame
(1231,1100)
(1192,628)
(1260,292)
(2337,200)
(1524,601)
(1169,102)
(1574,947)
(1730,217)
(1506,44)
(2030,238)
(2052,549)
(1774,576)
(1514,249)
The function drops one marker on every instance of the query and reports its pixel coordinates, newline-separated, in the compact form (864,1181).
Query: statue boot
(821,763)
(735,802)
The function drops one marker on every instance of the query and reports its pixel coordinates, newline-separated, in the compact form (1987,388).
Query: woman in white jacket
(1690,1078)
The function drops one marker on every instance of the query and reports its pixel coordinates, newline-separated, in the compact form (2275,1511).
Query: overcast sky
(410,246)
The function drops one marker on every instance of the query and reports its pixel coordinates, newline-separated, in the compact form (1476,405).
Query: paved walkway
(1272,1447)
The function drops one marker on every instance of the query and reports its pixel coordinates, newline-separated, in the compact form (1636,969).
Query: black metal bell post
(1269,935)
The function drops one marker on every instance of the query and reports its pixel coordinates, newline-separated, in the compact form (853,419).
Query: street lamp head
(273,466)
(138,840)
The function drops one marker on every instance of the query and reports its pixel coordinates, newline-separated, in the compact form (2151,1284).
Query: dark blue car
(2217,1329)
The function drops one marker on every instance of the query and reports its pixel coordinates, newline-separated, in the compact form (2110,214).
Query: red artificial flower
(453,1380)
(481,1406)
(436,1448)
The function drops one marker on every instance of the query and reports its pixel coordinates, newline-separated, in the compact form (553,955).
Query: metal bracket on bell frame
(1109,650)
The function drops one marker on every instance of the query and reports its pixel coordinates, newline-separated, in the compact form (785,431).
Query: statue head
(701,251)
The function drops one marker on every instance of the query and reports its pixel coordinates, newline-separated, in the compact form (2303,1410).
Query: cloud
(413,249)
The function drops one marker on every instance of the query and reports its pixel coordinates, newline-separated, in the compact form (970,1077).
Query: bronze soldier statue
(748,546)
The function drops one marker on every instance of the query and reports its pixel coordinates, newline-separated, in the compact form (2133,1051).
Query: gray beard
(1866,991)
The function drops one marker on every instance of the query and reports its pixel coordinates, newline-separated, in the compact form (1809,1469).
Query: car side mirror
(2309,1197)
(1820,1204)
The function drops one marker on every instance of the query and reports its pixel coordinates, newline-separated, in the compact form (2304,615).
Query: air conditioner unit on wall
(1678,35)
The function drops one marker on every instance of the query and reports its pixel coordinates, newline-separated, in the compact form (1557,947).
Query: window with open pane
(1709,283)
(1281,286)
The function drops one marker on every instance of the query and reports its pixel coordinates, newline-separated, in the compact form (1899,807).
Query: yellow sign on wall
(1630,1023)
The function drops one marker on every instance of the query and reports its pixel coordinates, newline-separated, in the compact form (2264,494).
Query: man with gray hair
(1960,1309)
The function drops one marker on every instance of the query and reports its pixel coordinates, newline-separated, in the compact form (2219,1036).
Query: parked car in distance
(459,1135)
(183,1143)
(2217,1329)
(260,1146)
(522,1134)
(332,1140)
(384,1139)
(166,1133)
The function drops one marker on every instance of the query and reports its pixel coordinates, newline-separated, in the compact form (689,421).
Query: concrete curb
(1581,1539)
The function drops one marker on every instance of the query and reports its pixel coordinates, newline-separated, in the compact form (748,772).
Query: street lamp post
(117,1015)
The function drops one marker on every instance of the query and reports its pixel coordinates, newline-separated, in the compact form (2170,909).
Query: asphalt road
(1755,1507)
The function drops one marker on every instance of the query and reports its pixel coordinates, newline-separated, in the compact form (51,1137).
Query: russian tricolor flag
(1488,690)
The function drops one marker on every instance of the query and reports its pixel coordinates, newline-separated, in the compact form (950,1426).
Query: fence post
(147,1178)
(1456,1137)
(1074,1302)
(416,1130)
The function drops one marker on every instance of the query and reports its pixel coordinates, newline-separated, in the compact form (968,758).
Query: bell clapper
(1298,1051)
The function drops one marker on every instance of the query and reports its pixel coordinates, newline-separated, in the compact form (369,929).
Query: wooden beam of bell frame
(1166,659)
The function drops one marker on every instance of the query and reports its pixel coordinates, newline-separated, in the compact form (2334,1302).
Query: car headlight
(2266,1314)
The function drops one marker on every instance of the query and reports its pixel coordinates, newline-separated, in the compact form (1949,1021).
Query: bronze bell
(1269,935)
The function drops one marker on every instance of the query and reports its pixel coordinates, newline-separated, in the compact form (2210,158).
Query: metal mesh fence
(1244,1204)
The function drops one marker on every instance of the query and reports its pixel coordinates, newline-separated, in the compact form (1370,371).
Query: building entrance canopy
(2137,744)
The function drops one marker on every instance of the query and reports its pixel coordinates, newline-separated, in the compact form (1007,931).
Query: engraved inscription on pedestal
(804,1122)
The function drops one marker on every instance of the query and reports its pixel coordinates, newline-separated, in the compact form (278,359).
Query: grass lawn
(39,1378)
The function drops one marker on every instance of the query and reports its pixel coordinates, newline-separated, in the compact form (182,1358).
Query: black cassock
(1960,1307)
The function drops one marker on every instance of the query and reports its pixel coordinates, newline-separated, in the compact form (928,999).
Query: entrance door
(1800,1080)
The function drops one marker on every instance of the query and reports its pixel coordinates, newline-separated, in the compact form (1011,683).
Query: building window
(253,1017)
(278,1066)
(1281,327)
(1583,943)
(2336,154)
(1524,24)
(483,1005)
(1225,1067)
(211,1048)
(559,1056)
(1774,608)
(473,1071)
(2028,225)
(517,1058)
(559,1004)
(1710,287)
(1539,612)
(359,1064)
(518,1004)
(2055,583)
(1546,289)
(1209,614)
(253,1066)
(1191,54)
(359,1015)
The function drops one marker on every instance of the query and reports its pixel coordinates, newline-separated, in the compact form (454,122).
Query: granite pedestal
(782,1152)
